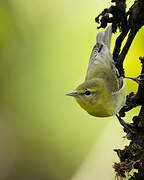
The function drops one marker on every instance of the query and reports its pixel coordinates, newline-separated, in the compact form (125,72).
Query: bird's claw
(139,79)
(130,129)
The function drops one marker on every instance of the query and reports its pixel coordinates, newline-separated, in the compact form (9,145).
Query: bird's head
(93,96)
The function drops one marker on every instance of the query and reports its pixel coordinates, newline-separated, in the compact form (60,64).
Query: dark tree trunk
(129,23)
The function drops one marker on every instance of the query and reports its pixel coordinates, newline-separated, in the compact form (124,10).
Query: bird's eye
(87,92)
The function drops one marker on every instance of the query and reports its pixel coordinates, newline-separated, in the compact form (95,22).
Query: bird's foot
(139,79)
(128,127)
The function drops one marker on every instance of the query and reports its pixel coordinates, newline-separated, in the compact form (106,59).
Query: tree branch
(129,23)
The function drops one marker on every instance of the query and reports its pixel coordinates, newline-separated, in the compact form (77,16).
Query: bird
(103,92)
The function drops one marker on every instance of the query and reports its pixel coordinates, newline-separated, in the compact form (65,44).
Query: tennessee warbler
(102,93)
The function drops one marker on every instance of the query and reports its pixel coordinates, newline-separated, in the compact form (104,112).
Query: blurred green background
(45,46)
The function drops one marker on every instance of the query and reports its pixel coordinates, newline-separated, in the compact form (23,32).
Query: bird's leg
(129,128)
(139,79)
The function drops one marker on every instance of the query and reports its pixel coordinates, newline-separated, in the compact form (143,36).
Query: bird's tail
(105,36)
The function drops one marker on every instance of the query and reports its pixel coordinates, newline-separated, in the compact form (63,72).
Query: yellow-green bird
(102,93)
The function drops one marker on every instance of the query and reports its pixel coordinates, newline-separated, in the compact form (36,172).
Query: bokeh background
(45,46)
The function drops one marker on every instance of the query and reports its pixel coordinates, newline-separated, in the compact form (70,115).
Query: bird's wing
(101,57)
(120,96)
(101,51)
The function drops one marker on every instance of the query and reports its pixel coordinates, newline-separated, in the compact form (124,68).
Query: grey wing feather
(101,51)
(101,54)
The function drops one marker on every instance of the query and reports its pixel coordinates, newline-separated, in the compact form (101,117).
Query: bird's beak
(74,93)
